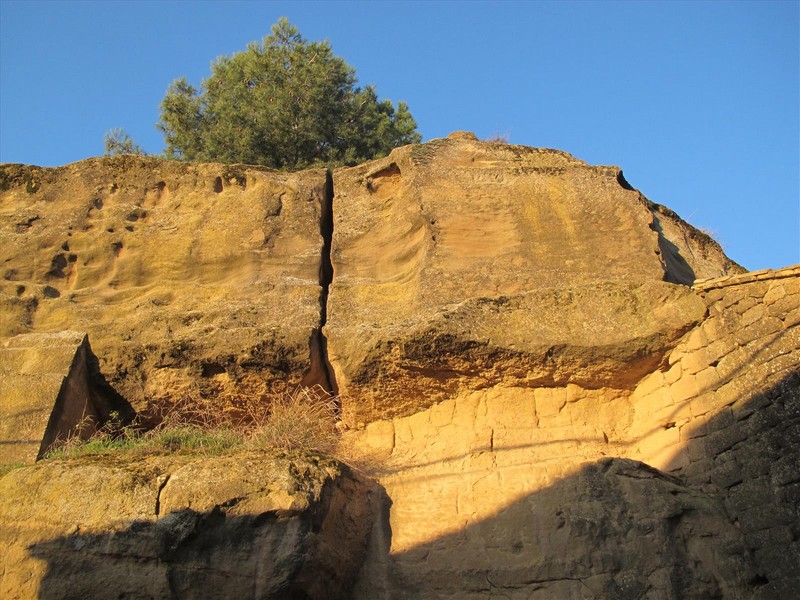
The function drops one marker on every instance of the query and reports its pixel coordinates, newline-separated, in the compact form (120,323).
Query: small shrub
(498,138)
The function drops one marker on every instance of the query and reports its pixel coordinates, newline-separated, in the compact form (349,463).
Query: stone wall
(725,415)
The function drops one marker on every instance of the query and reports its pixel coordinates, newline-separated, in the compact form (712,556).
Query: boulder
(242,526)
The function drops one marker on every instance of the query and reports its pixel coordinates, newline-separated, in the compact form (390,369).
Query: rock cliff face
(191,280)
(50,388)
(512,490)
(460,264)
(560,388)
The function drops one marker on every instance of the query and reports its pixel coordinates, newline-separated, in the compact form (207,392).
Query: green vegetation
(285,103)
(304,421)
(117,142)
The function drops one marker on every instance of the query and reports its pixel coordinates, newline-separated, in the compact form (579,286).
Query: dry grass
(498,138)
(304,420)
(301,421)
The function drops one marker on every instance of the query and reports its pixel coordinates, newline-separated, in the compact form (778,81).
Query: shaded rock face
(191,280)
(461,263)
(243,526)
(614,529)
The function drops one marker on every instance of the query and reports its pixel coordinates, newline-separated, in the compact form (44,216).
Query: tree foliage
(285,103)
(118,142)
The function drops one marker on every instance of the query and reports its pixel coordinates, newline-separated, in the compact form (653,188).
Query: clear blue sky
(698,102)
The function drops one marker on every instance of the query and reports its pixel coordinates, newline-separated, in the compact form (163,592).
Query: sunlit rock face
(191,280)
(546,404)
(461,264)
(248,525)
(540,493)
(51,389)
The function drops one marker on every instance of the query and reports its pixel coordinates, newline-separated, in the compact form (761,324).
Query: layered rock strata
(535,493)
(522,364)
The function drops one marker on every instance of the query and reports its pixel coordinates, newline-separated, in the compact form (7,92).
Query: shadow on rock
(726,526)
(313,553)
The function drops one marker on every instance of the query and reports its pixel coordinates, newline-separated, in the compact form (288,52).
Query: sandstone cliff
(461,264)
(212,280)
(191,280)
(526,492)
(561,389)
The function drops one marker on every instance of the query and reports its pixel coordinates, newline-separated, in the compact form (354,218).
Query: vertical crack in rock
(321,373)
(162,483)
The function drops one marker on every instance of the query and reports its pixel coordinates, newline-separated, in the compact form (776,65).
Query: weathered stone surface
(613,529)
(242,526)
(688,253)
(602,335)
(50,389)
(475,481)
(505,324)
(190,279)
(459,261)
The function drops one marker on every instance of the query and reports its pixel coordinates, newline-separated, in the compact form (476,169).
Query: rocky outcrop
(549,408)
(191,280)
(51,389)
(240,526)
(460,264)
(215,281)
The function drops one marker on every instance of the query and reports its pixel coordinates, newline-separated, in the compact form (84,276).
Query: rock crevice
(320,372)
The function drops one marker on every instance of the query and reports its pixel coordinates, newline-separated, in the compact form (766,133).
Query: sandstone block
(248,525)
(775,292)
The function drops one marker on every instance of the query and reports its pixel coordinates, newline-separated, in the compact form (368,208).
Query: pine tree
(284,103)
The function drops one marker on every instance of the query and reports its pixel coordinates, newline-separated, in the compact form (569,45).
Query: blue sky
(698,102)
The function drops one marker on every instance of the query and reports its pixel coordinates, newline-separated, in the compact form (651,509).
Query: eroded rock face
(458,260)
(502,489)
(51,389)
(505,324)
(613,529)
(191,280)
(242,526)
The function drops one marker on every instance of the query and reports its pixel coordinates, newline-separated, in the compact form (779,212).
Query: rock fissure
(163,480)
(320,372)
(542,412)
